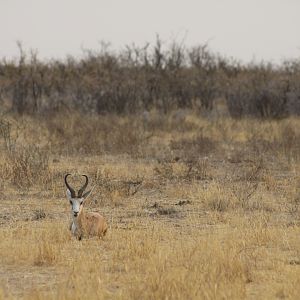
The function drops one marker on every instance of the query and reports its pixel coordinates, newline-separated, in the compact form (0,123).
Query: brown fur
(90,224)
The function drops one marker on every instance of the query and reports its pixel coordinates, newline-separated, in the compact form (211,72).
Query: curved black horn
(73,195)
(80,192)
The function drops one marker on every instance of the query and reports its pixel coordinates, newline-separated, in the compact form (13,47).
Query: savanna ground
(198,208)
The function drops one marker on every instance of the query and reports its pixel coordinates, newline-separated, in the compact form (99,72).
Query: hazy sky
(244,29)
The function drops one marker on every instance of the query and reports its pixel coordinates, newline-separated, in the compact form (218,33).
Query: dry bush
(127,137)
(251,171)
(28,166)
(245,181)
(106,81)
(112,192)
(165,171)
(39,214)
(193,148)
(289,142)
(189,170)
(215,198)
(24,165)
(260,146)
(244,191)
(198,170)
(262,93)
(97,135)
(282,141)
(7,136)
(233,193)
(159,76)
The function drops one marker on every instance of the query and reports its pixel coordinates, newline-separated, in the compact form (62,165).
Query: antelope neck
(78,220)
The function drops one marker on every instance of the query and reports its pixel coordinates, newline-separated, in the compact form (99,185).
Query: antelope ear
(86,194)
(69,196)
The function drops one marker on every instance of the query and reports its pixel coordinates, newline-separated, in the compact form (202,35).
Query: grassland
(198,208)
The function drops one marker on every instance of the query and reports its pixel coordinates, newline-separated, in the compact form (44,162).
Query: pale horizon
(244,30)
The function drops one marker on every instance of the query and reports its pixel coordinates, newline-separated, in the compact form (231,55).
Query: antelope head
(77,201)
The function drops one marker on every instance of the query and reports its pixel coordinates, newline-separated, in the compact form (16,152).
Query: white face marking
(76,204)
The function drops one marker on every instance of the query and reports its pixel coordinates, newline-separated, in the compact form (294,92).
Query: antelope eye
(81,202)
(70,202)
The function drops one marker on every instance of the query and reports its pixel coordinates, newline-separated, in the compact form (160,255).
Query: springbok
(84,224)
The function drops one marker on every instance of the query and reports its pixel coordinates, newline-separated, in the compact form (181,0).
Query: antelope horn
(80,192)
(73,195)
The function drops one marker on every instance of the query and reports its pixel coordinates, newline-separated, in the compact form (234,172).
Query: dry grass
(208,212)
